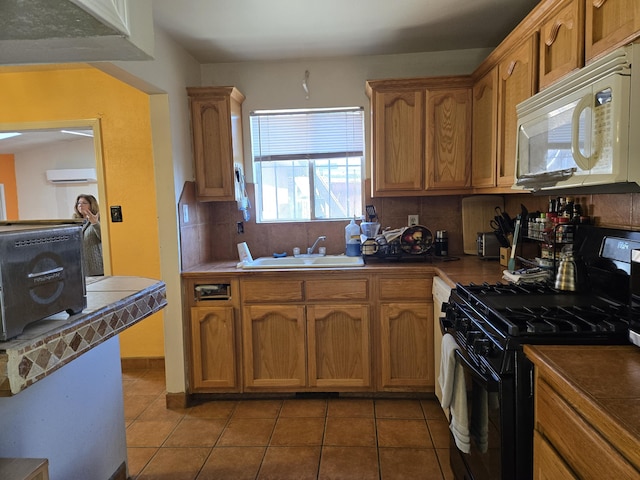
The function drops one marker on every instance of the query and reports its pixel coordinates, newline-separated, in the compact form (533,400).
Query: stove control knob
(482,346)
(462,324)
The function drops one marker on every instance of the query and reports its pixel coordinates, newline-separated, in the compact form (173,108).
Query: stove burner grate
(570,320)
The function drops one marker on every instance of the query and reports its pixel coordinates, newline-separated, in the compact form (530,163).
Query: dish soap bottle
(352,239)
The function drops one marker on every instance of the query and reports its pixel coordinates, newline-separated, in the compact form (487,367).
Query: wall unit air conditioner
(72,175)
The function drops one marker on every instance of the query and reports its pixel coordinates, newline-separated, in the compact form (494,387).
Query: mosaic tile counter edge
(113,305)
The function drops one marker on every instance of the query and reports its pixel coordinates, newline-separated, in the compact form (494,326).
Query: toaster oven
(40,273)
(488,246)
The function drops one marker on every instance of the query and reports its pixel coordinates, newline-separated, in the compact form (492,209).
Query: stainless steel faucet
(312,247)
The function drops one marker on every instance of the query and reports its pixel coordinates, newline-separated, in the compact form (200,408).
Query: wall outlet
(412,220)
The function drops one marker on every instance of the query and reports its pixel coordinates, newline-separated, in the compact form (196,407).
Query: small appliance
(40,273)
(488,246)
(581,131)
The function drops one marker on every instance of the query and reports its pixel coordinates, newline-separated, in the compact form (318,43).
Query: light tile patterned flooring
(289,438)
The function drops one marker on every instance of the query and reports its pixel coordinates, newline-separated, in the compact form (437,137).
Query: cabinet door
(610,24)
(448,145)
(213,348)
(547,464)
(339,352)
(485,124)
(516,83)
(561,42)
(274,346)
(398,133)
(216,123)
(406,346)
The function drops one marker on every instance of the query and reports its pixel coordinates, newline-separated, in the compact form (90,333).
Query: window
(308,163)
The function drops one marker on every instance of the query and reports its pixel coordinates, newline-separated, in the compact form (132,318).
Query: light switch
(116,213)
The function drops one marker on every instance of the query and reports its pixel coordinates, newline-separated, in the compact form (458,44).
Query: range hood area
(67,31)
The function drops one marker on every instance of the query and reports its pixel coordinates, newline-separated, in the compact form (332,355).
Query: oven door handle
(487,382)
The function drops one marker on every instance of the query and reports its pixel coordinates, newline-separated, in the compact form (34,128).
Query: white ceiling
(267,30)
(37,139)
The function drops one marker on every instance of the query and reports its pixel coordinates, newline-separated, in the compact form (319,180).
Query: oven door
(485,407)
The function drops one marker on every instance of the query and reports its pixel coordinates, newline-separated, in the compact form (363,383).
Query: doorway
(41,150)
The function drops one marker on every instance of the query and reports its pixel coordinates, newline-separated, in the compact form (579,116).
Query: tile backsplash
(209,230)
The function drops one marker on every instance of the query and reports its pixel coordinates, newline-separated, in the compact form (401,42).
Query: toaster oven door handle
(45,273)
(487,381)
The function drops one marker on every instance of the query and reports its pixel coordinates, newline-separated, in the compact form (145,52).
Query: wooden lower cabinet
(547,464)
(339,346)
(554,418)
(318,347)
(213,352)
(406,346)
(274,346)
(313,332)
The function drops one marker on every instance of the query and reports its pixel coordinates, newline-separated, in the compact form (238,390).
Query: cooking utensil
(371,212)
(505,220)
(566,278)
(511,264)
(499,230)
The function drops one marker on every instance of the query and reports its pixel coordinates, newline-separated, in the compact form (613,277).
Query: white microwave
(584,130)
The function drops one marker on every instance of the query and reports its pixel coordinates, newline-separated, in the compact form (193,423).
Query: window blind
(308,134)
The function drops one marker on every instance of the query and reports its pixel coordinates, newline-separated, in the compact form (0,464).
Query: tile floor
(290,438)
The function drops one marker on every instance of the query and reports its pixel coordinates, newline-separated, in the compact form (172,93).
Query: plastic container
(352,239)
(370,229)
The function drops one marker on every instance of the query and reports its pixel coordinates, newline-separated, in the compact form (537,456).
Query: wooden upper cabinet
(561,42)
(485,124)
(610,24)
(516,82)
(398,166)
(216,123)
(421,135)
(448,144)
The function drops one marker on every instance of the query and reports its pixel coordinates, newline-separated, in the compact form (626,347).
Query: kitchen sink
(328,261)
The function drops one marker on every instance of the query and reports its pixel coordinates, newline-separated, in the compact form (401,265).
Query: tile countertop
(113,305)
(603,383)
(466,269)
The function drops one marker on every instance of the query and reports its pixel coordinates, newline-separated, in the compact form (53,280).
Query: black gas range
(492,322)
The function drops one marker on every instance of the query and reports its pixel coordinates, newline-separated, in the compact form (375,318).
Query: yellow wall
(72,93)
(8,179)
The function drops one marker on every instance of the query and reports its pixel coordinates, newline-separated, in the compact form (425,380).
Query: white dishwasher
(441,291)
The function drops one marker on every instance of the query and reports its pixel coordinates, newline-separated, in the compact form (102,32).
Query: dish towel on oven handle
(454,393)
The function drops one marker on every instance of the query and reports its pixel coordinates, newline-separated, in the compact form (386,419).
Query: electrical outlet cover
(412,220)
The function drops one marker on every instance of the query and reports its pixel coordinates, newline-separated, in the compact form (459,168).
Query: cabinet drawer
(547,465)
(275,290)
(575,440)
(334,289)
(405,288)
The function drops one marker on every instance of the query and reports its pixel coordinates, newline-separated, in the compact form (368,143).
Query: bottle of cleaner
(352,239)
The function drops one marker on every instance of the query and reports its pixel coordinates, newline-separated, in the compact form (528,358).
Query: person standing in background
(86,207)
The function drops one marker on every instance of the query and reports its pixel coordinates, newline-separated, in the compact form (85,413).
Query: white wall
(74,417)
(39,199)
